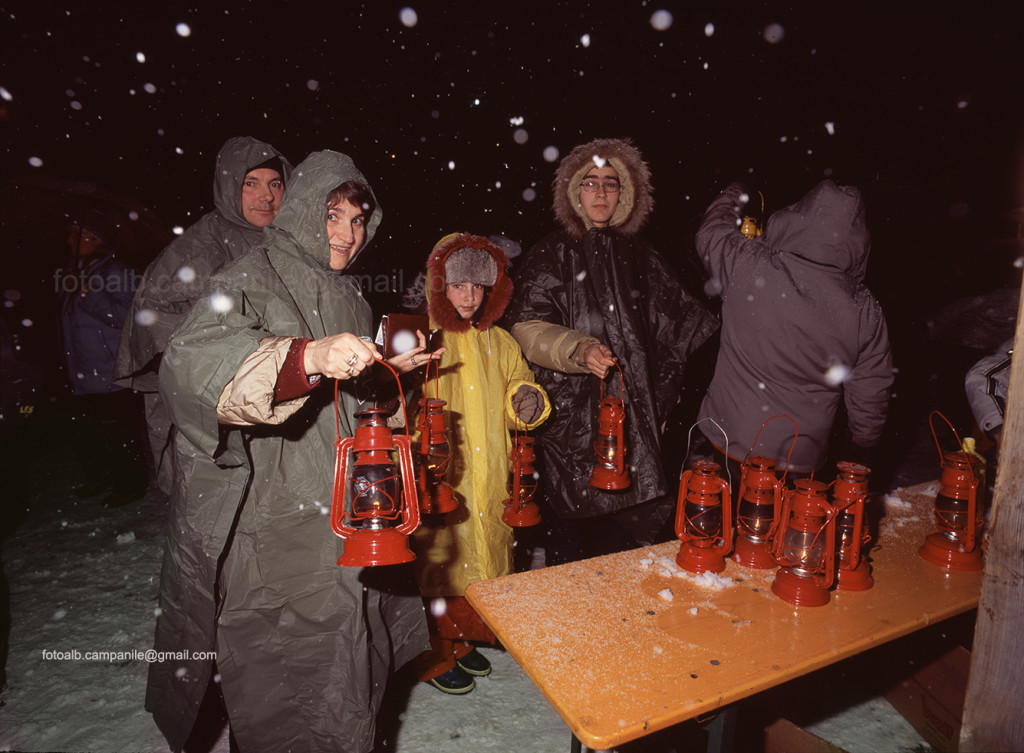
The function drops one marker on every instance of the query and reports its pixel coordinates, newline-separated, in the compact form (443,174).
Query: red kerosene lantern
(805,545)
(703,519)
(760,502)
(611,472)
(374,508)
(520,509)
(849,495)
(436,495)
(956,545)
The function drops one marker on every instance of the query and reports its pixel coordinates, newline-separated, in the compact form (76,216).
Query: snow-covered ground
(83,578)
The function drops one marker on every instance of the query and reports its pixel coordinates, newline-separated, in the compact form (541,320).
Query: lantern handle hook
(689,436)
(401,398)
(931,425)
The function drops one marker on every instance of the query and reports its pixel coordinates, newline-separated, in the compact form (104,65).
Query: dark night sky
(920,106)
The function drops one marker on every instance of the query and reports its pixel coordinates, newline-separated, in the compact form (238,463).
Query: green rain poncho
(304,647)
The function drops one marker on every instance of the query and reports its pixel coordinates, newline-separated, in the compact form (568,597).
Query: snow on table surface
(617,657)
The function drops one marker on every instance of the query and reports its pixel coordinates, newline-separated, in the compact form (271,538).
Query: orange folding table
(625,645)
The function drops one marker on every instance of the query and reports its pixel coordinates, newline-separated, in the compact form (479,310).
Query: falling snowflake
(220,303)
(408,17)
(585,40)
(183,30)
(146,317)
(709,29)
(836,374)
(520,136)
(773,33)
(661,20)
(550,153)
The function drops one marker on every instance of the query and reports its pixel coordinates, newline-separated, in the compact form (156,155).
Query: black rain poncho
(608,285)
(304,647)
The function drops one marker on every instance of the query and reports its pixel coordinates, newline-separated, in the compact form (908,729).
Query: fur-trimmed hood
(442,313)
(636,198)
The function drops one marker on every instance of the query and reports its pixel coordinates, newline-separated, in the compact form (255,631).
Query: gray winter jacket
(986,385)
(800,330)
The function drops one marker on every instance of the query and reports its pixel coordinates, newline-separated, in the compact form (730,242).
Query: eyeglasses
(591,186)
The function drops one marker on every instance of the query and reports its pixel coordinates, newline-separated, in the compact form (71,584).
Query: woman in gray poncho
(304,647)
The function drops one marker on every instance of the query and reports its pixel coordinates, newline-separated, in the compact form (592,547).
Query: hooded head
(635,199)
(303,212)
(461,257)
(827,226)
(239,156)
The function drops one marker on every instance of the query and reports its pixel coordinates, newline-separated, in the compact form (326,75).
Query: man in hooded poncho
(800,330)
(248,184)
(304,647)
(591,296)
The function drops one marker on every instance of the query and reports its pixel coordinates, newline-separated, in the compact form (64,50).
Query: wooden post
(995,690)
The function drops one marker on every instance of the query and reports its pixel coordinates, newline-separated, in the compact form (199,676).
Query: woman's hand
(598,359)
(339,356)
(415,357)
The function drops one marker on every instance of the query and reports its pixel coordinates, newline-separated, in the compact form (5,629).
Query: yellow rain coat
(478,376)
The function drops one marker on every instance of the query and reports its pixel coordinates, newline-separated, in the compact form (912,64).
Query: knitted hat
(274,163)
(469,264)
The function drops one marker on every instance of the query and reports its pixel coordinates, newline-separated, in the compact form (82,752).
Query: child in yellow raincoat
(486,382)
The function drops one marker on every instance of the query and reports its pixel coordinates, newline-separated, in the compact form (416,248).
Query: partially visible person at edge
(107,426)
(986,385)
(800,330)
(248,183)
(490,390)
(591,298)
(304,646)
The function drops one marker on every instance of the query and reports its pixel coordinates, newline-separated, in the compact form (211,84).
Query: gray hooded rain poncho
(304,647)
(176,277)
(800,329)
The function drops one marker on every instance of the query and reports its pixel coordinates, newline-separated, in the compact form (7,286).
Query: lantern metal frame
(806,526)
(611,473)
(757,510)
(703,520)
(374,536)
(437,496)
(849,497)
(957,543)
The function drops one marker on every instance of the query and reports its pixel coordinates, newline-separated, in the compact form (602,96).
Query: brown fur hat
(636,198)
(442,313)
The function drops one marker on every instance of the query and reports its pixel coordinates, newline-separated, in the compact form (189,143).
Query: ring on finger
(351,360)
(412,360)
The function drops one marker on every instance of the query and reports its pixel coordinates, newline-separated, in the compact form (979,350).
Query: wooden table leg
(721,729)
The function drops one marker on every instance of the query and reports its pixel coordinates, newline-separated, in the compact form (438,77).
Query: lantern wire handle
(622,386)
(689,436)
(959,442)
(401,397)
(436,363)
(796,433)
(792,446)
